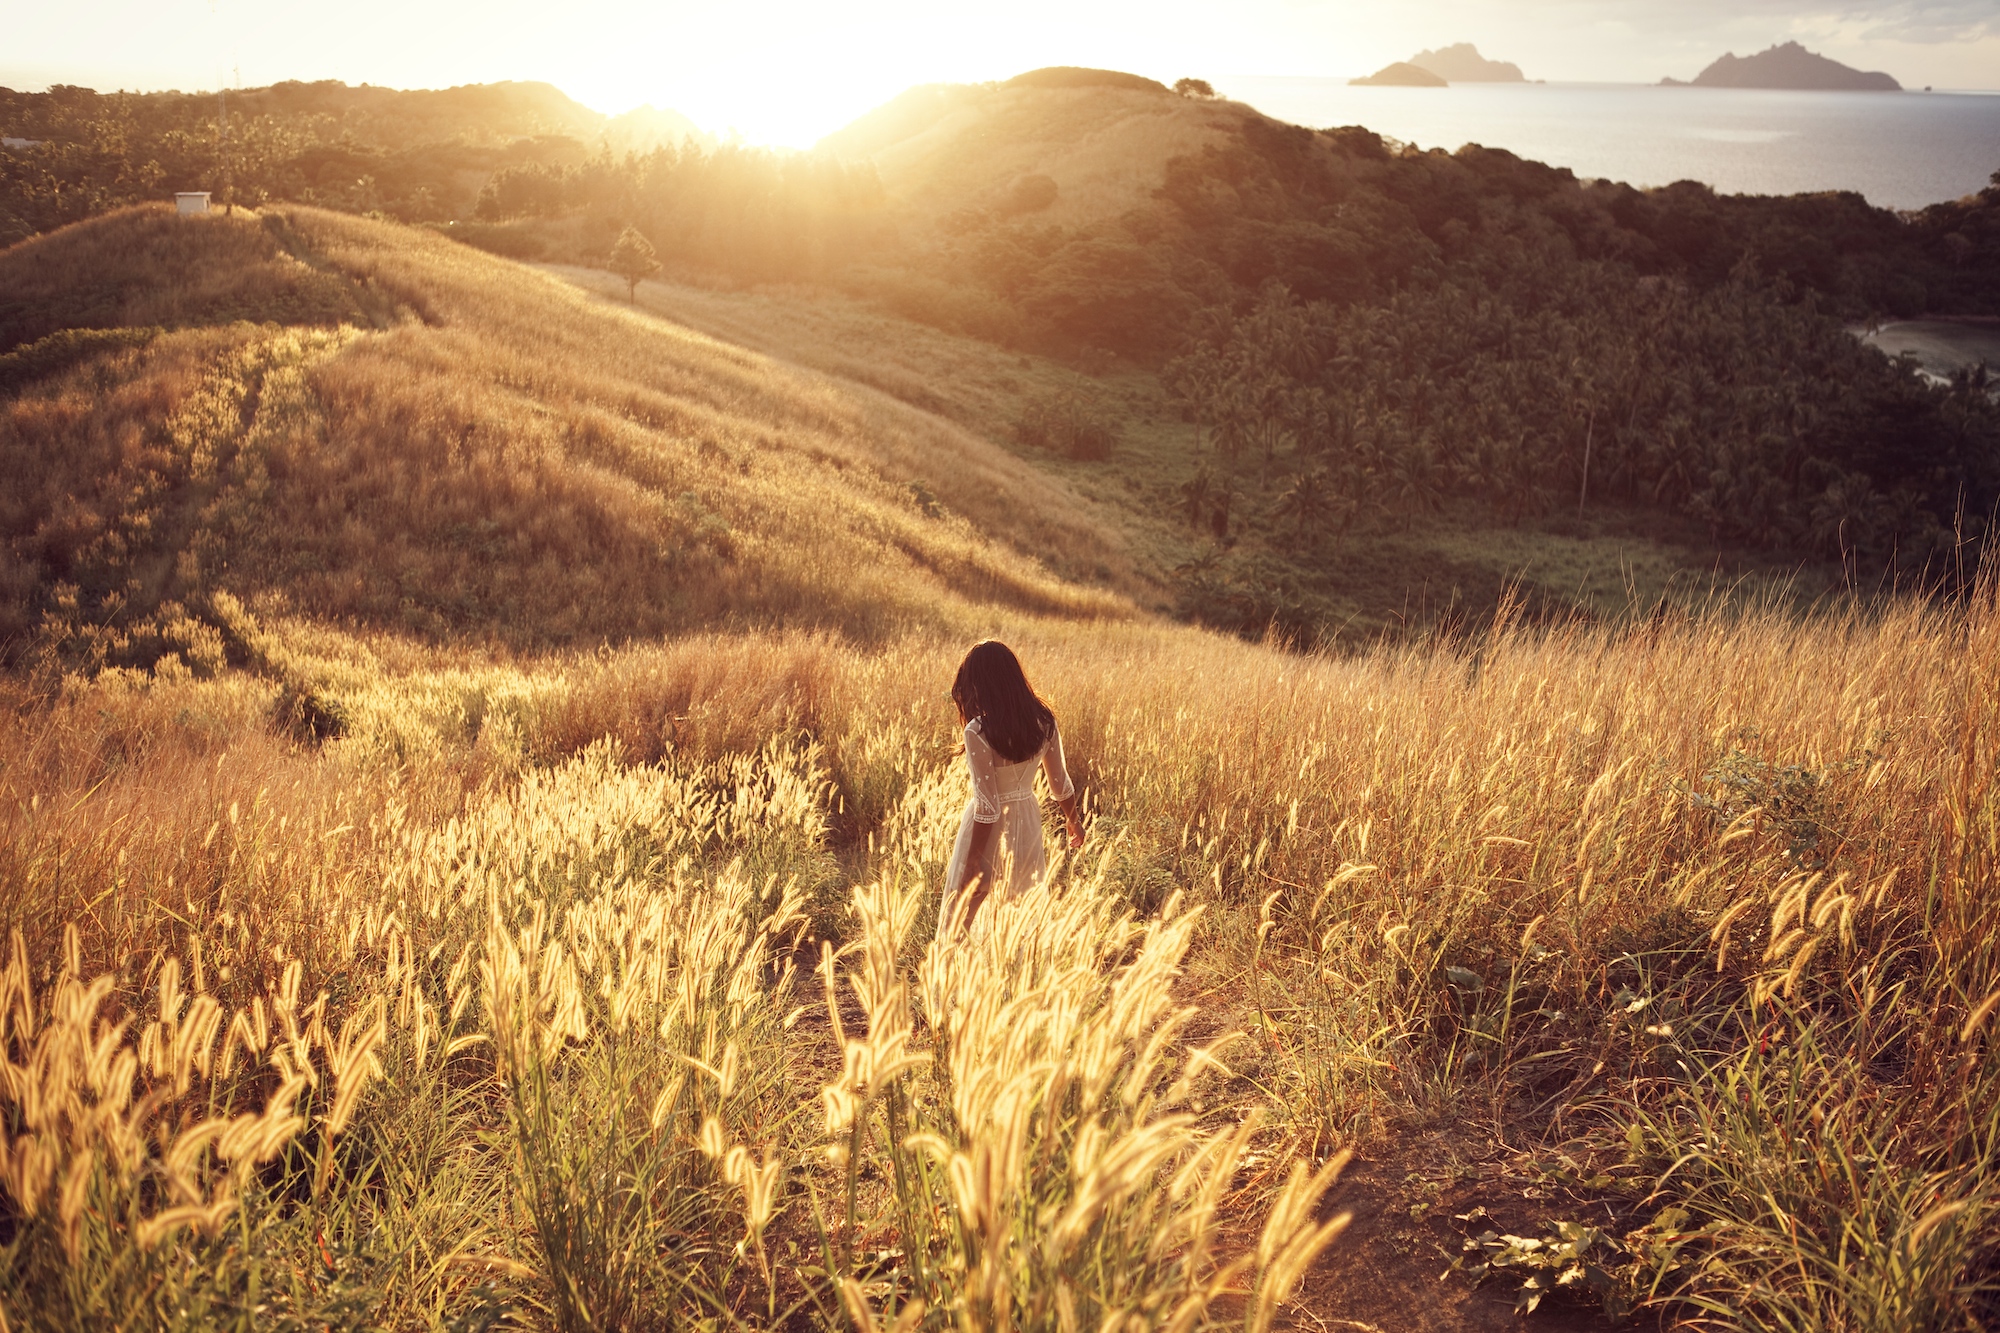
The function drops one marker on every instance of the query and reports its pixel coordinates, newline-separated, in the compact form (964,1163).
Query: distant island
(1402,74)
(1788,66)
(1462,63)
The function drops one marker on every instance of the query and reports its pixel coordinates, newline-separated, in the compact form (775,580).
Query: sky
(788,71)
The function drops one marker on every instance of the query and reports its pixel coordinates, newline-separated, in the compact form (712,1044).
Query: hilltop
(1789,66)
(1056,147)
(321,415)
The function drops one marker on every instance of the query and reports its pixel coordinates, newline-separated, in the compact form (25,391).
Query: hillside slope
(351,420)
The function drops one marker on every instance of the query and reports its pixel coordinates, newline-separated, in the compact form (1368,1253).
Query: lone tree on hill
(633,258)
(1194,88)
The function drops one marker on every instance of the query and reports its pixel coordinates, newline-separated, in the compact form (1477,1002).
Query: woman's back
(1009,731)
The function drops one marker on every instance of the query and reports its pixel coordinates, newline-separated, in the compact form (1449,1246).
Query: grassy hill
(1398,357)
(330,418)
(1388,577)
(942,150)
(470,707)
(1412,375)
(345,419)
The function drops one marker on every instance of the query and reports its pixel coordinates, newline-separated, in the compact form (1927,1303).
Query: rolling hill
(1101,142)
(362,423)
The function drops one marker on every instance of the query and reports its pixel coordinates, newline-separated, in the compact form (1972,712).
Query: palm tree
(1200,569)
(1218,516)
(1306,502)
(1192,383)
(1413,480)
(1194,494)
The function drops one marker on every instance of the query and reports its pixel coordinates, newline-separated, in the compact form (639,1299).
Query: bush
(1031,194)
(1072,422)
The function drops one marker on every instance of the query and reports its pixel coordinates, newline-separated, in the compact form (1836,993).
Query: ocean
(1900,150)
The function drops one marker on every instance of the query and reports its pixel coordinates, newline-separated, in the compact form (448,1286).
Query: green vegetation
(1753,417)
(418,156)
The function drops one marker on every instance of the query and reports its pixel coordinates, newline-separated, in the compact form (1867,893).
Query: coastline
(1941,345)
(1737,141)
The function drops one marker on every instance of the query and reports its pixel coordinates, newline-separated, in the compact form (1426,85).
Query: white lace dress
(1003,793)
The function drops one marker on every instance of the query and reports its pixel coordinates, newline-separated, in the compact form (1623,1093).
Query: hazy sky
(787,71)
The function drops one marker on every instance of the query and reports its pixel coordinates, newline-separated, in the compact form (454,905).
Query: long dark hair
(992,687)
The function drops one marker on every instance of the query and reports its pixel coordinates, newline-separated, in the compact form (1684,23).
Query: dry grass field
(490,454)
(599,992)
(565,957)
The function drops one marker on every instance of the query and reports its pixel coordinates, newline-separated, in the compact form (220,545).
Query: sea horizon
(1736,140)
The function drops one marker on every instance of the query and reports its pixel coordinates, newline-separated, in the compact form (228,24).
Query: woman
(1007,729)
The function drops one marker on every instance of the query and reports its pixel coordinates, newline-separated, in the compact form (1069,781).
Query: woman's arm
(1056,769)
(1074,820)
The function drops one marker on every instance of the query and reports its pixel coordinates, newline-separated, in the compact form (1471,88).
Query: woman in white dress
(1008,732)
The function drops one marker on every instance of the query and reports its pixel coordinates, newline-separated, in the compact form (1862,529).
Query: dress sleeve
(985,786)
(1055,769)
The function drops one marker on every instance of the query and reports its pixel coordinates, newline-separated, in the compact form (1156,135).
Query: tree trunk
(1583,495)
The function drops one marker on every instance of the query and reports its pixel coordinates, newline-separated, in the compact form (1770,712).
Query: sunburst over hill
(1071,151)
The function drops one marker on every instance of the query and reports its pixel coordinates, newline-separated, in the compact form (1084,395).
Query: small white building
(191,203)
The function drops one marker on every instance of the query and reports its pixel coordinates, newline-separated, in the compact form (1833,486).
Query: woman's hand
(1074,818)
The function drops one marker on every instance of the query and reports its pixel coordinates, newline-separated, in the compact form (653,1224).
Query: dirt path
(1390,1272)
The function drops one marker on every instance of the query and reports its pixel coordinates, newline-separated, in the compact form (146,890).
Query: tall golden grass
(1703,903)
